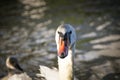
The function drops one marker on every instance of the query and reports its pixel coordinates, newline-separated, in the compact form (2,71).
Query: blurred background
(27,31)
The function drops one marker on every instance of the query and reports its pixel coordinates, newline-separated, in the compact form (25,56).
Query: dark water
(27,30)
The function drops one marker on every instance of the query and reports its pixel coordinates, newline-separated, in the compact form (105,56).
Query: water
(28,28)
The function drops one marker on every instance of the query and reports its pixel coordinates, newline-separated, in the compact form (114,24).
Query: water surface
(27,30)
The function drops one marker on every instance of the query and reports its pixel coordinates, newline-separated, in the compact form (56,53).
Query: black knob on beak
(62,55)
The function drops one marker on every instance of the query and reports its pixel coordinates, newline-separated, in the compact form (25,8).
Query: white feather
(48,73)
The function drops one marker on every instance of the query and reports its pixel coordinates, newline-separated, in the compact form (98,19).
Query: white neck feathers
(66,67)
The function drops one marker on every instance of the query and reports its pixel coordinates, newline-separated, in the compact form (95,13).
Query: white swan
(15,71)
(65,39)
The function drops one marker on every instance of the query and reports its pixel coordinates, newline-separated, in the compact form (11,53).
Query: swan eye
(70,32)
(60,34)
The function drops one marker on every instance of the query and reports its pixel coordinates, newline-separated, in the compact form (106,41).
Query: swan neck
(66,67)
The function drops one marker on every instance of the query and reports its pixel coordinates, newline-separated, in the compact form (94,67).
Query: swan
(15,72)
(65,39)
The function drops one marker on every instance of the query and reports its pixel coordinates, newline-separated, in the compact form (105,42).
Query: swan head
(12,63)
(65,39)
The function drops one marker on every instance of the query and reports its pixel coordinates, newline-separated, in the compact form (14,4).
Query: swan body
(65,39)
(15,72)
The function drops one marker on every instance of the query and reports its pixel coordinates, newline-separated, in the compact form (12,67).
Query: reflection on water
(28,28)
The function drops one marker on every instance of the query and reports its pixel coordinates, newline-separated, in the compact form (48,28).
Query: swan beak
(63,50)
(18,67)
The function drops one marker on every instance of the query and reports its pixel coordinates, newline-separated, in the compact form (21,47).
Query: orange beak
(63,50)
(61,47)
